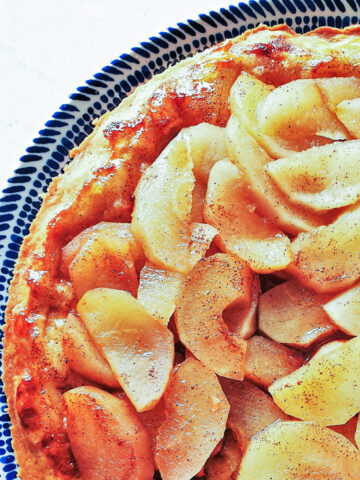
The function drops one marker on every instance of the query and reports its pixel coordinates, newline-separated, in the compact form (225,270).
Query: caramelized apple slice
(162,212)
(348,429)
(335,90)
(106,436)
(139,349)
(251,410)
(326,389)
(215,283)
(248,95)
(293,314)
(158,291)
(241,231)
(295,114)
(225,465)
(202,235)
(163,198)
(241,319)
(320,178)
(348,113)
(103,256)
(118,234)
(251,159)
(267,361)
(326,349)
(99,265)
(299,450)
(206,145)
(82,354)
(328,258)
(344,311)
(196,414)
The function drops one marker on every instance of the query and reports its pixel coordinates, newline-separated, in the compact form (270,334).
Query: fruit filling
(213,334)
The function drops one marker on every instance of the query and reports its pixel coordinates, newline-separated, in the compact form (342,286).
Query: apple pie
(187,301)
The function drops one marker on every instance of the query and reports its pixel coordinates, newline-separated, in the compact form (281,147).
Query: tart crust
(98,186)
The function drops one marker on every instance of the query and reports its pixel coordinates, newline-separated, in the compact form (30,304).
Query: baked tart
(186,303)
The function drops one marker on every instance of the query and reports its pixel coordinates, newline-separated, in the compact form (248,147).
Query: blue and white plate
(49,152)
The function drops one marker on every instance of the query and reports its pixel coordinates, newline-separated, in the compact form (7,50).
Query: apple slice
(119,233)
(246,95)
(83,356)
(293,314)
(249,102)
(241,231)
(250,159)
(320,178)
(98,265)
(241,319)
(251,410)
(207,146)
(299,450)
(196,413)
(161,220)
(164,208)
(348,113)
(267,360)
(344,311)
(225,465)
(295,114)
(215,283)
(139,349)
(326,389)
(106,436)
(158,291)
(326,349)
(327,259)
(202,235)
(335,90)
(103,256)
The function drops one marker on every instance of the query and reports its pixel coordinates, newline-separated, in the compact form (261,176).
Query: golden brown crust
(98,185)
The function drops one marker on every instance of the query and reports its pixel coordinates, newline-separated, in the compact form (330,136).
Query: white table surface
(50,47)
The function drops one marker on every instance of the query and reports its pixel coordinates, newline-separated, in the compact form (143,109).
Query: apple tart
(186,303)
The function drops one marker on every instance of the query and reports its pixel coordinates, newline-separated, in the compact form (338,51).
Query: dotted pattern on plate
(47,156)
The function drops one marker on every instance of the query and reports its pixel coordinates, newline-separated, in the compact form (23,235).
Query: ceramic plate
(48,154)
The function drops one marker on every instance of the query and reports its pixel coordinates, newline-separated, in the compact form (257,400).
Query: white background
(50,47)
